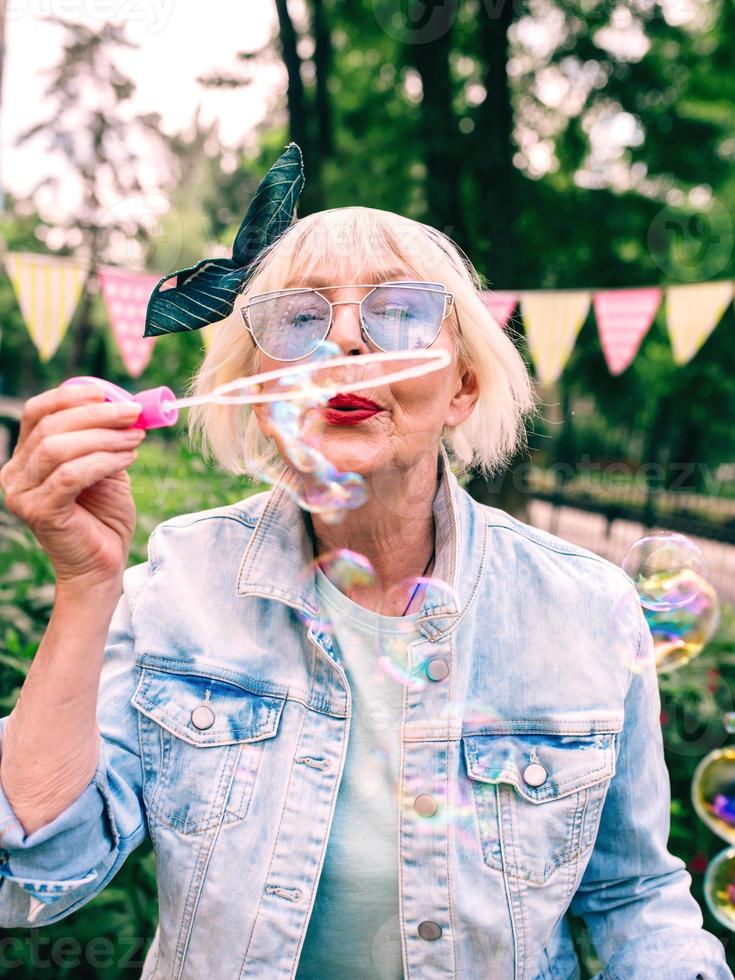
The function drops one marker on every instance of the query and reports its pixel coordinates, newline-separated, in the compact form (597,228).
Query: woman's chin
(350,449)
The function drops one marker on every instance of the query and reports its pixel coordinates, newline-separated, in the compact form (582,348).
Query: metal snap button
(429,930)
(534,774)
(202,717)
(425,805)
(437,669)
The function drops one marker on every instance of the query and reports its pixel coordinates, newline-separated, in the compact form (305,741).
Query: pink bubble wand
(161,406)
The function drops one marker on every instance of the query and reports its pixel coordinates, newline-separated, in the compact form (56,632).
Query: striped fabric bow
(205,293)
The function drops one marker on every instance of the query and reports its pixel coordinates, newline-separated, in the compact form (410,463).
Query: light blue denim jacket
(538,641)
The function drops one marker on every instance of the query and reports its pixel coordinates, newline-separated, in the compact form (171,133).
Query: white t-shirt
(354,928)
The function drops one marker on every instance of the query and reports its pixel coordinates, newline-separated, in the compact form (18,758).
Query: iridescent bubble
(728,720)
(316,411)
(411,597)
(299,425)
(387,939)
(656,563)
(719,887)
(681,633)
(713,792)
(346,568)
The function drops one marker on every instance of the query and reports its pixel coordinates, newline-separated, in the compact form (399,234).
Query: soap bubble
(719,887)
(310,429)
(298,426)
(728,720)
(657,565)
(385,949)
(713,792)
(345,568)
(682,632)
(430,594)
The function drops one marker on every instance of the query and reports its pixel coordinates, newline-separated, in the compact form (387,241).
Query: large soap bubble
(658,565)
(306,403)
(713,792)
(719,887)
(682,632)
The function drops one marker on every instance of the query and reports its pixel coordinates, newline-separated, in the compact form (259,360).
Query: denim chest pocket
(538,798)
(202,741)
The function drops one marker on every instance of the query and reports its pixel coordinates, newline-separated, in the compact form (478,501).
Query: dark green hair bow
(205,292)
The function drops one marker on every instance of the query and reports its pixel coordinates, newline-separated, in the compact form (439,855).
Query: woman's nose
(345,331)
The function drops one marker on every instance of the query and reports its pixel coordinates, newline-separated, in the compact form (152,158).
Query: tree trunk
(439,135)
(496,179)
(298,112)
(495,173)
(323,62)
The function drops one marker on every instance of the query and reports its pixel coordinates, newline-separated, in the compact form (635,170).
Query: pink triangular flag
(624,317)
(126,297)
(501,304)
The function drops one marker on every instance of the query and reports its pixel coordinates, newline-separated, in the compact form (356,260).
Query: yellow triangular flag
(552,321)
(692,313)
(47,288)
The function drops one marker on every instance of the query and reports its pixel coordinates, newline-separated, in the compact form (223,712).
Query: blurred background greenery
(562,144)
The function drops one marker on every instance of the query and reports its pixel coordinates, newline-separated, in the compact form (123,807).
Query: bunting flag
(692,313)
(553,320)
(48,289)
(125,295)
(501,305)
(624,317)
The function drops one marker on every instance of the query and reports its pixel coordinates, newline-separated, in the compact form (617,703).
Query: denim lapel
(278,560)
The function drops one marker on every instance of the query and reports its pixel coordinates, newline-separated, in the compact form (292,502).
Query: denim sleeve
(48,874)
(635,895)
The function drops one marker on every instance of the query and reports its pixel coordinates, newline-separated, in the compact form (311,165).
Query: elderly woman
(410,775)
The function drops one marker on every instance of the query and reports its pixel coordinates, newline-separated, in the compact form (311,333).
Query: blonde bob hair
(361,244)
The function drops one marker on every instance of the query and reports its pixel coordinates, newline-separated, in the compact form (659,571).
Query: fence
(608,522)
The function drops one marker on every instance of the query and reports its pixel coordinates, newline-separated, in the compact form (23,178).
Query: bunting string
(48,289)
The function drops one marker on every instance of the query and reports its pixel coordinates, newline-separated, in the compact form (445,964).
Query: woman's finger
(54,400)
(67,481)
(115,415)
(53,450)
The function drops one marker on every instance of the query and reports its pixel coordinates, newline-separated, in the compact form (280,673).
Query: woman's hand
(67,481)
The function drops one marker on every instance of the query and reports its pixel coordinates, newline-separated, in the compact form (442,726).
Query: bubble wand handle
(158,403)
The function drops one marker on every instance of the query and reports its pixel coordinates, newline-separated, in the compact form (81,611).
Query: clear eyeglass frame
(262,297)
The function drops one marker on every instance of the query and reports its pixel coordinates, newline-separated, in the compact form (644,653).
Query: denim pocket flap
(541,767)
(205,710)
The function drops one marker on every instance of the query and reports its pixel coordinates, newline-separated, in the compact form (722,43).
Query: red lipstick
(350,409)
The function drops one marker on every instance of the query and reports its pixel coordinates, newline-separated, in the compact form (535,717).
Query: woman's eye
(305,318)
(393,311)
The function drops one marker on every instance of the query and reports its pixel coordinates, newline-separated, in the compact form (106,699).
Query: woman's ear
(464,398)
(263,418)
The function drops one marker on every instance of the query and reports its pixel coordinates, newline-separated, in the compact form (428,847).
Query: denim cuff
(61,855)
(676,954)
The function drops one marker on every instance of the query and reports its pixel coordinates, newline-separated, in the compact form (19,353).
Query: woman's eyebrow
(321,282)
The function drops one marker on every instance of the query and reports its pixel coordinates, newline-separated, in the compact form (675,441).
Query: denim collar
(277,561)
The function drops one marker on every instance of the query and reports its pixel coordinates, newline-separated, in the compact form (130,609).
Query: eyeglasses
(289,324)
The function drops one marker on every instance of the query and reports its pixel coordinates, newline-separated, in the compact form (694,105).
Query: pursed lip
(350,409)
(353,402)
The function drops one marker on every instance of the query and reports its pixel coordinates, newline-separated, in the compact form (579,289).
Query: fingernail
(132,408)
